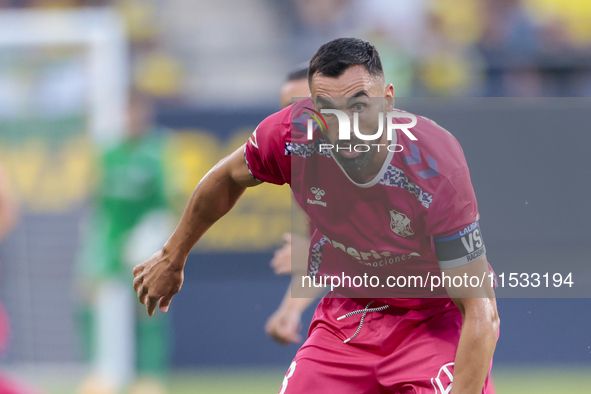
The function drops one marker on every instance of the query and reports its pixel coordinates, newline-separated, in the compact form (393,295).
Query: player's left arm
(460,249)
(480,326)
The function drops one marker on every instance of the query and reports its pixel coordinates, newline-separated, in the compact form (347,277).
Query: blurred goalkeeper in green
(130,216)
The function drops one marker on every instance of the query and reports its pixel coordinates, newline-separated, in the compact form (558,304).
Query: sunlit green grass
(227,382)
(546,380)
(517,380)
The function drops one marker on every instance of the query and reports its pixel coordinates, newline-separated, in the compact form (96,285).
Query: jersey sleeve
(453,222)
(265,152)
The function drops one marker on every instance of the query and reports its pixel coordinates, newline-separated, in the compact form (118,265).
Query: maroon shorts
(397,350)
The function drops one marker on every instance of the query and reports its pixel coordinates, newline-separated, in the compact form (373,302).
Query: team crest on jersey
(400,224)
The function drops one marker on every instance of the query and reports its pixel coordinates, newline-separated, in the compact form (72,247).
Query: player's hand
(284,326)
(281,262)
(292,257)
(158,279)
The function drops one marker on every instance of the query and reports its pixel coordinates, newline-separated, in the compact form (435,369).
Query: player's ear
(389,90)
(389,96)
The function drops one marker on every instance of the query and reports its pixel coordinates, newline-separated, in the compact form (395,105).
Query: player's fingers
(289,336)
(293,332)
(279,338)
(270,324)
(151,305)
(283,266)
(282,332)
(142,294)
(276,270)
(287,237)
(295,338)
(275,264)
(137,282)
(282,270)
(298,337)
(272,330)
(278,263)
(165,302)
(138,269)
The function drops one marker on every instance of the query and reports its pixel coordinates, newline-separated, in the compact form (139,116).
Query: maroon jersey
(418,214)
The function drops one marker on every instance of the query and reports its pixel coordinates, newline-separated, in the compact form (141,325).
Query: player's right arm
(262,159)
(161,277)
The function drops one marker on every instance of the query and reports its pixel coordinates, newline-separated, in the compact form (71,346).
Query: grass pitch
(518,380)
(508,380)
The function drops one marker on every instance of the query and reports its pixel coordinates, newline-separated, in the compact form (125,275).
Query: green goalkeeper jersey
(131,186)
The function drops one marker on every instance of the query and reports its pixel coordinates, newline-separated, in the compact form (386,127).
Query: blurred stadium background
(212,70)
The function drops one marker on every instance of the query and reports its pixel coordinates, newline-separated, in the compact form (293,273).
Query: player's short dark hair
(336,56)
(299,72)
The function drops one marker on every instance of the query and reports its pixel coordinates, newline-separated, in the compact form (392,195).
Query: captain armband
(460,248)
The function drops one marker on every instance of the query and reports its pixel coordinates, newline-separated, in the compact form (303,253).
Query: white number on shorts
(288,375)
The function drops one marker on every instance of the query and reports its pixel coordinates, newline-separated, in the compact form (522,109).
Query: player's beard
(354,163)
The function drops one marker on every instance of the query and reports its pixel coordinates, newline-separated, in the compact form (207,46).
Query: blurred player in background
(360,342)
(284,325)
(130,216)
(295,86)
(8,220)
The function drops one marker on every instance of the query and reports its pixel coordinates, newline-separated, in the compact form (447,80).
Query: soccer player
(130,213)
(410,209)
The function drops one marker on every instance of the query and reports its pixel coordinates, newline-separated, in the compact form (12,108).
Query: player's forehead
(354,80)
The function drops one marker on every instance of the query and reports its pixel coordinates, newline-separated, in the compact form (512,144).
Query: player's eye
(358,107)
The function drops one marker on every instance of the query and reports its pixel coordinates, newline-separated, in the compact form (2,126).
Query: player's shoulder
(272,130)
(434,153)
(276,129)
(285,126)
